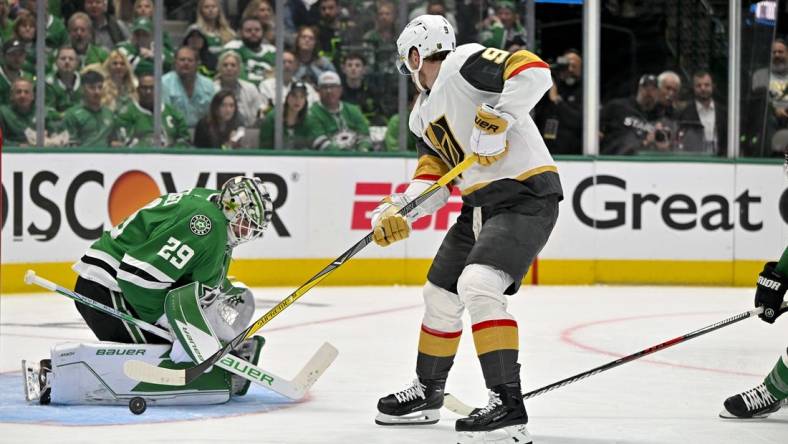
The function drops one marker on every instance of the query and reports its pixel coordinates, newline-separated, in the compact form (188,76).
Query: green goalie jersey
(174,240)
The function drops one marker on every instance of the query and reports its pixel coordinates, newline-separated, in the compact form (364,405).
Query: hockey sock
(497,346)
(777,380)
(436,353)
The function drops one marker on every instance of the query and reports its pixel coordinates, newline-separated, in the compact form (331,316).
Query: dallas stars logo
(200,225)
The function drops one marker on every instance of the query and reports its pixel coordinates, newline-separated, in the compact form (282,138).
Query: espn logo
(768,283)
(369,195)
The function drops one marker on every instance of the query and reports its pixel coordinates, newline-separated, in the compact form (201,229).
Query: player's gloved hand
(770,292)
(388,226)
(488,137)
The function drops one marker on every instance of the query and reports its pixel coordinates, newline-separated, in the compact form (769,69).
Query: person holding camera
(559,115)
(630,125)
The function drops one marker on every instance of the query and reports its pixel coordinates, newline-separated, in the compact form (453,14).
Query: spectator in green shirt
(341,125)
(90,124)
(300,129)
(80,35)
(18,118)
(135,119)
(63,86)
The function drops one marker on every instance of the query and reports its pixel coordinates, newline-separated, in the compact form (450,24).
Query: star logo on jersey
(200,225)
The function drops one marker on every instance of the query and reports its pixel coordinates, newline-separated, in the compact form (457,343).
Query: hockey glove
(388,226)
(488,137)
(770,292)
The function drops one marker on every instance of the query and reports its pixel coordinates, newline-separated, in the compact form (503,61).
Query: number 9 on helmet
(248,208)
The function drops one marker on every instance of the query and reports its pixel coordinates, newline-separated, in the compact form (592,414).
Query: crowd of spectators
(339,79)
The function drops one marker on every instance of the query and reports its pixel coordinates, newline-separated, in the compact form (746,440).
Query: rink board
(621,221)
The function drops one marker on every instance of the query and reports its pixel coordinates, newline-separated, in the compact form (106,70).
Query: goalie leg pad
(93,374)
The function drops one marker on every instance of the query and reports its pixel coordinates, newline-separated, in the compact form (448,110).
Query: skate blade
(725,414)
(418,418)
(30,380)
(517,434)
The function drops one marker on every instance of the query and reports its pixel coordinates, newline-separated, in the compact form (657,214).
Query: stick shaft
(644,352)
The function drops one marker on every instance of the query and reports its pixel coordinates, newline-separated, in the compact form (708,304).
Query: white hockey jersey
(444,117)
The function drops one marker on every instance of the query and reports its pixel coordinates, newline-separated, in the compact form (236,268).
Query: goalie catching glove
(488,137)
(770,292)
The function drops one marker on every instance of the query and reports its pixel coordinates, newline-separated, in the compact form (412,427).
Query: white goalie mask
(248,208)
(429,34)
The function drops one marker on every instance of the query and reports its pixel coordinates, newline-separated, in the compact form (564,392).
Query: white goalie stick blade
(455,405)
(294,389)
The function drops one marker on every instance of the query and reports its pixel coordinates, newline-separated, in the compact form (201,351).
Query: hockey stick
(295,389)
(142,371)
(457,406)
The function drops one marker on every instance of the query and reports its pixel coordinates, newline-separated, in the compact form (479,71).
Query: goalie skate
(249,350)
(36,381)
(756,403)
(417,404)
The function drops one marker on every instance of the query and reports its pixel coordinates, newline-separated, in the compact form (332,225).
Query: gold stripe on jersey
(522,60)
(520,177)
(430,165)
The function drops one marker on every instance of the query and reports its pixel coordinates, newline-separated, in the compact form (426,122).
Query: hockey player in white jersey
(474,101)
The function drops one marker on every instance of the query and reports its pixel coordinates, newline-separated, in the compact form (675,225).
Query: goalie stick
(294,389)
(455,405)
(142,371)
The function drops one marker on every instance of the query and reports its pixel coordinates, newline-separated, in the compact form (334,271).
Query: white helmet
(248,208)
(429,34)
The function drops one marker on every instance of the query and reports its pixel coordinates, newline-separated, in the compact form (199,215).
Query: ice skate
(417,404)
(36,380)
(756,403)
(249,350)
(503,420)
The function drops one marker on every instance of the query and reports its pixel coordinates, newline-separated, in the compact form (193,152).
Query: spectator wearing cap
(356,89)
(258,58)
(246,93)
(289,67)
(559,115)
(80,36)
(56,34)
(628,125)
(139,50)
(342,126)
(18,116)
(63,88)
(299,129)
(310,63)
(135,120)
(501,27)
(146,8)
(107,30)
(14,55)
(186,89)
(196,40)
(90,124)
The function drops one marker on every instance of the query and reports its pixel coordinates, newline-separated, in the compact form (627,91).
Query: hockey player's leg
(439,338)
(495,335)
(763,400)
